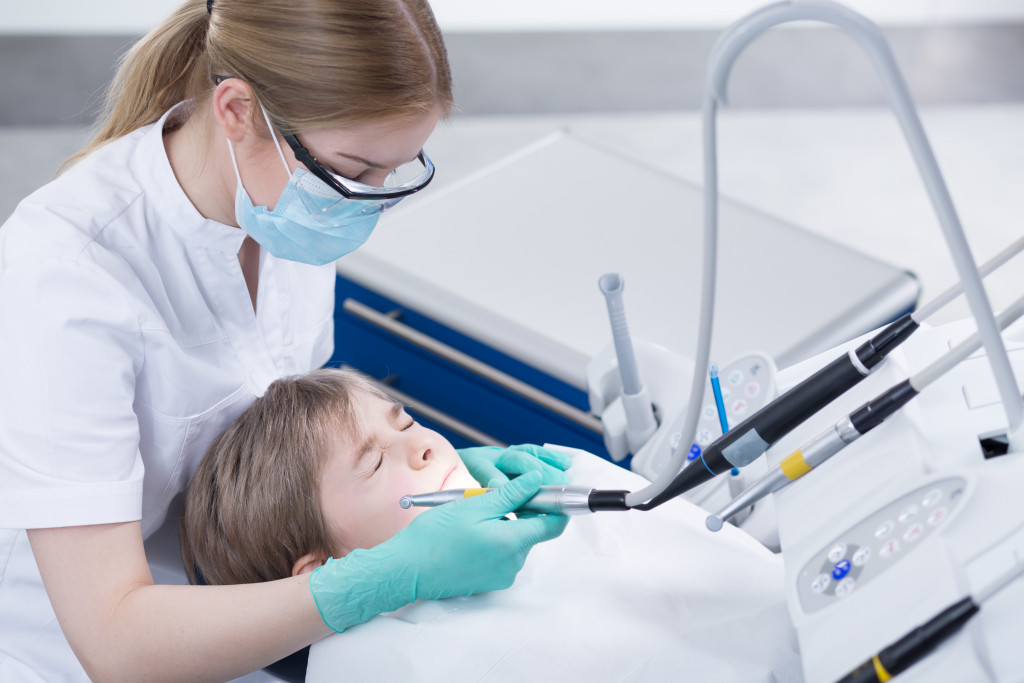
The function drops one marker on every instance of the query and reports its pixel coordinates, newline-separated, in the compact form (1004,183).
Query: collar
(152,168)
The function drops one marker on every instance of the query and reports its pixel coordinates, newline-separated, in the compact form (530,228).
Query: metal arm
(726,50)
(736,38)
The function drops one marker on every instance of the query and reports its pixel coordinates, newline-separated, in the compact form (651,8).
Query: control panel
(747,383)
(877,542)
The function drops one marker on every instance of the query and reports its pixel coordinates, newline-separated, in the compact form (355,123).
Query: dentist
(181,263)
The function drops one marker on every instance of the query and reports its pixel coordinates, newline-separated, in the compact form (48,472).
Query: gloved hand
(454,549)
(491,466)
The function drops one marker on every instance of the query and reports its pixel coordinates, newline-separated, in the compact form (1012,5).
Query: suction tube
(640,421)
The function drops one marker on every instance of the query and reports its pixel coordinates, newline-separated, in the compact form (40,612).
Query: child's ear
(308,563)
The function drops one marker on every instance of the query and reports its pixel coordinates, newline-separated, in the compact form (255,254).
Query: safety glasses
(401,182)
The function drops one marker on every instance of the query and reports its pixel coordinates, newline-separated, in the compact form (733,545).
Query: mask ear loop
(231,149)
(277,144)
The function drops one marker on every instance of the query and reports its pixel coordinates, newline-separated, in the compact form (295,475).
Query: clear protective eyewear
(403,181)
(320,196)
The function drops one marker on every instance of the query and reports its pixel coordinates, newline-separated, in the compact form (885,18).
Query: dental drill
(550,500)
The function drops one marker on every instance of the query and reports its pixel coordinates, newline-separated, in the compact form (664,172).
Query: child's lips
(445,480)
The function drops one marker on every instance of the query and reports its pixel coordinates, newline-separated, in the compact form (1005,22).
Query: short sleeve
(70,349)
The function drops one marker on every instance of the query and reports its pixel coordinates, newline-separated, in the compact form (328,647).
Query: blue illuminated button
(841,569)
(694,452)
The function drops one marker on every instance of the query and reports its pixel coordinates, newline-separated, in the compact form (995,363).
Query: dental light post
(723,55)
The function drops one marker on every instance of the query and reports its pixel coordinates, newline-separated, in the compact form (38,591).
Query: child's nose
(421,452)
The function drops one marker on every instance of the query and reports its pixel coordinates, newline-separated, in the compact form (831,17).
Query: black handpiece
(914,646)
(876,411)
(745,442)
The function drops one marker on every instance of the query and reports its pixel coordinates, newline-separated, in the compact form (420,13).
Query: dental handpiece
(919,642)
(749,439)
(856,424)
(550,500)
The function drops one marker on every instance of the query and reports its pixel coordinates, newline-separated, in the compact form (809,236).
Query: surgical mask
(310,223)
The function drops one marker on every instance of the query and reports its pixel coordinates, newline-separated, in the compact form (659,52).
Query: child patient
(313,469)
(316,468)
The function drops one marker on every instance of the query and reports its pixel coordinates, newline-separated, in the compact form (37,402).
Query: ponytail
(162,69)
(312,63)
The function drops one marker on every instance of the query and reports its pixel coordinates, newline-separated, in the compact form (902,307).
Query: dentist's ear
(232,103)
(307,563)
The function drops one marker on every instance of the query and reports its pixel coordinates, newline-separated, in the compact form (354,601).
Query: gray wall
(59,79)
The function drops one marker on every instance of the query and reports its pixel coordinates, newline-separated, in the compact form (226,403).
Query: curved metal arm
(723,55)
(736,38)
(867,35)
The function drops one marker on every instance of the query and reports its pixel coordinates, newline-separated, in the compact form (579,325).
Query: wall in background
(133,17)
(573,56)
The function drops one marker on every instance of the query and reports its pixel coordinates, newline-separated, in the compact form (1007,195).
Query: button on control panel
(877,542)
(747,384)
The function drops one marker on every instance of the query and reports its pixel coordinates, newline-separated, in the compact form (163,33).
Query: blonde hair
(252,509)
(312,63)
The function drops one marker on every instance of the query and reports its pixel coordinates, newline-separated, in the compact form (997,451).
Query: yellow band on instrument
(469,493)
(880,671)
(794,466)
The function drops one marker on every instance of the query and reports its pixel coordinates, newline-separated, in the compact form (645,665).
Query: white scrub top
(128,342)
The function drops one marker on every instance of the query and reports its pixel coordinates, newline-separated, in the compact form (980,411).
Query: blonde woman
(178,266)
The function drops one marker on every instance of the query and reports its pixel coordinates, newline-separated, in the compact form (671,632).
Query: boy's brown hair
(252,508)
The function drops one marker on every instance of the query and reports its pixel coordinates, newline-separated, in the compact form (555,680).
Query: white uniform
(128,342)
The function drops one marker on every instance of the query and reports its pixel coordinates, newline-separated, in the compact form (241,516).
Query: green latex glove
(454,549)
(491,466)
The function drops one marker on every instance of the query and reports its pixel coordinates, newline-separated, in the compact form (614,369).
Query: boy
(313,469)
(316,468)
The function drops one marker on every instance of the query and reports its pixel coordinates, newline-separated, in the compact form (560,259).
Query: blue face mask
(310,223)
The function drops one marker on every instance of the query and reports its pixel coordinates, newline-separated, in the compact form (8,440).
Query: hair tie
(209,7)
